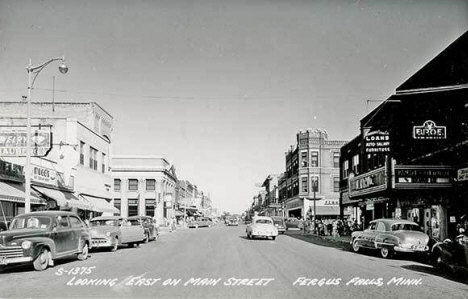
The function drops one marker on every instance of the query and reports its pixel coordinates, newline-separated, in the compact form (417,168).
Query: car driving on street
(261,227)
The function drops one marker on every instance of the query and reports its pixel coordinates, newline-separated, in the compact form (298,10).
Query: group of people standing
(330,227)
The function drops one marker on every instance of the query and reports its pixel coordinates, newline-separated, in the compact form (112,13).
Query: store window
(132,207)
(150,204)
(132,184)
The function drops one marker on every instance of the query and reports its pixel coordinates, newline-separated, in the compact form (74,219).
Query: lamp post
(33,72)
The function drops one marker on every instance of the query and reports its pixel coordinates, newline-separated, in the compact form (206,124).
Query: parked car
(261,226)
(233,221)
(293,223)
(279,223)
(149,224)
(112,231)
(391,236)
(42,237)
(200,222)
(451,256)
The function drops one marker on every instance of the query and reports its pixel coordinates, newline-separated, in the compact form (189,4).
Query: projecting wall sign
(429,130)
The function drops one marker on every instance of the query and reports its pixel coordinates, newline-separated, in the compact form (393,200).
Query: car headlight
(108,234)
(26,244)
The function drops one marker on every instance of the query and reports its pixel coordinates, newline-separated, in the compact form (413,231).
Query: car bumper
(265,234)
(410,250)
(4,260)
(98,243)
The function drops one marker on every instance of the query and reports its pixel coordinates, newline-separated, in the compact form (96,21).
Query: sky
(221,87)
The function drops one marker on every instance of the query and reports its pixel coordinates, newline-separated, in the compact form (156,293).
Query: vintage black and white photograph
(234,149)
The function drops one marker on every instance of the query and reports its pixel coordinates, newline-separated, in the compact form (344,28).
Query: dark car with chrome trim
(42,237)
(279,223)
(391,236)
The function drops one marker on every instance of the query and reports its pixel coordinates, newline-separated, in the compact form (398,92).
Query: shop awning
(99,204)
(15,193)
(327,210)
(63,198)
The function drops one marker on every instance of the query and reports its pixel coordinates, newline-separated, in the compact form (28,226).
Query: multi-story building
(144,185)
(310,185)
(271,205)
(410,159)
(74,173)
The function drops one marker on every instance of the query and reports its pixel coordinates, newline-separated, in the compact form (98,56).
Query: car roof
(107,218)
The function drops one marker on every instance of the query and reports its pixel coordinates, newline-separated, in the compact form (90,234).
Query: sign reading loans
(377,142)
(13,141)
(429,130)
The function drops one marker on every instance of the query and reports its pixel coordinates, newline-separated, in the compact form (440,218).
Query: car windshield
(31,222)
(263,221)
(108,222)
(406,226)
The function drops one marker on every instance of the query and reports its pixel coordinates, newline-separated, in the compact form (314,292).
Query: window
(132,207)
(336,160)
(314,162)
(380,227)
(315,184)
(150,203)
(304,160)
(103,164)
(133,185)
(93,158)
(356,164)
(117,184)
(62,222)
(336,184)
(150,185)
(304,185)
(345,169)
(117,203)
(82,152)
(75,222)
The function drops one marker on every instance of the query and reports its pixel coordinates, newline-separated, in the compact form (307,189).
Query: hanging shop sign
(462,174)
(371,182)
(429,130)
(377,142)
(43,175)
(13,141)
(422,176)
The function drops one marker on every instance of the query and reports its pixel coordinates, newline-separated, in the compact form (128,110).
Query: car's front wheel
(356,246)
(385,252)
(42,261)
(273,238)
(83,255)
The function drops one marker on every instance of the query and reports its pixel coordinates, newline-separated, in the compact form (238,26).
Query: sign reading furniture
(377,142)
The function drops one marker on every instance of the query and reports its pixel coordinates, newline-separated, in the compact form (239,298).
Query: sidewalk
(331,241)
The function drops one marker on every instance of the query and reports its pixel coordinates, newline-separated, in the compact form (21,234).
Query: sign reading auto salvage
(377,142)
(13,141)
(368,183)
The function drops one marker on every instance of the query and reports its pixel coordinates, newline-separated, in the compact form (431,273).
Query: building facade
(73,173)
(144,185)
(411,155)
(310,185)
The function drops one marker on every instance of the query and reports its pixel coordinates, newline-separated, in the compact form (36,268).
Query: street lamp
(33,72)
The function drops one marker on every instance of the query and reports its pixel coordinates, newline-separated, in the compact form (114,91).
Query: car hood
(96,231)
(413,237)
(12,235)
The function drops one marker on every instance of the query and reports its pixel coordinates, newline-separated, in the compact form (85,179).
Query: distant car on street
(42,237)
(293,223)
(149,224)
(391,236)
(112,231)
(200,222)
(233,221)
(261,227)
(279,223)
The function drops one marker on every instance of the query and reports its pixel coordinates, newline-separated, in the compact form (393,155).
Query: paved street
(220,262)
